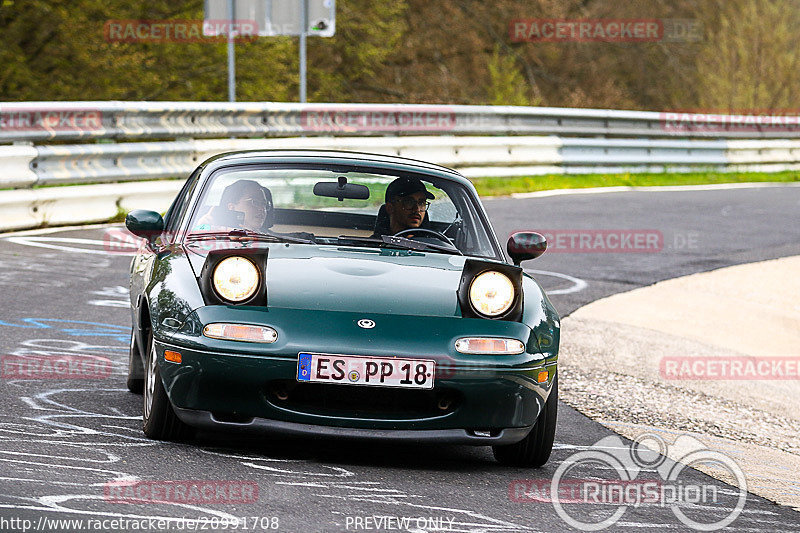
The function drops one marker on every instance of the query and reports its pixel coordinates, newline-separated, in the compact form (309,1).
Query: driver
(406,204)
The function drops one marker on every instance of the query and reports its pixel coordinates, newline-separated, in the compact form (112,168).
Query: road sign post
(231,53)
(274,17)
(302,62)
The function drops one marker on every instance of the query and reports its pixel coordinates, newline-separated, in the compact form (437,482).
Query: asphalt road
(64,443)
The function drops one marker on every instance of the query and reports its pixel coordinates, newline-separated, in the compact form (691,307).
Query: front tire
(159,419)
(135,367)
(534,450)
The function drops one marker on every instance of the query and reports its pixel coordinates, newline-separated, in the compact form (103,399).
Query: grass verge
(507,186)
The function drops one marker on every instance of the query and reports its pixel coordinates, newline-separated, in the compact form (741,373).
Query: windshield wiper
(367,241)
(389,241)
(247,235)
(411,244)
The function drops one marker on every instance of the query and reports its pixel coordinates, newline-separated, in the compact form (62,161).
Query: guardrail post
(15,166)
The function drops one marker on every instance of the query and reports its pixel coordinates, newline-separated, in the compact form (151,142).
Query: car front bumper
(475,399)
(206,420)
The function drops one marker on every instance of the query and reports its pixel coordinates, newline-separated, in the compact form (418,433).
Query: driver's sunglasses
(410,204)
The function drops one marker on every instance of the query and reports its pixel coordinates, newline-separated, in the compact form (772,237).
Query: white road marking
(381,494)
(59,229)
(110,303)
(46,242)
(577,283)
(486,523)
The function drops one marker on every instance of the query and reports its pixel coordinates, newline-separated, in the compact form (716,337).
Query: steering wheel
(423,231)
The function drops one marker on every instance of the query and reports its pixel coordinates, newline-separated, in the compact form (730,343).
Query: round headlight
(235,279)
(491,293)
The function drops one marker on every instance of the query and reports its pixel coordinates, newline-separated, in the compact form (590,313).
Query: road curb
(625,338)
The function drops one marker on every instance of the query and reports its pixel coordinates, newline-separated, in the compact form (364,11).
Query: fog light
(241,332)
(489,345)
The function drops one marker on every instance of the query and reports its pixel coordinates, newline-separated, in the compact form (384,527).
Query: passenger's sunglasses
(255,202)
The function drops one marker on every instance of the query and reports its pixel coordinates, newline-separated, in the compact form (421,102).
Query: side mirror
(145,224)
(525,245)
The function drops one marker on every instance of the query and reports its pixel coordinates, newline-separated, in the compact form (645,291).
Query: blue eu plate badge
(304,367)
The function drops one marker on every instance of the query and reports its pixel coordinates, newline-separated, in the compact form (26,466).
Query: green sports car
(340,294)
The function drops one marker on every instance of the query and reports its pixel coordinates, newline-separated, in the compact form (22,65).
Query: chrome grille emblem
(366,323)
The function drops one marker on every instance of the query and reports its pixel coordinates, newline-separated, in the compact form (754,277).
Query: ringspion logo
(593,488)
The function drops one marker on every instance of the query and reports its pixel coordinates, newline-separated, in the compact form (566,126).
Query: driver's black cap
(404,187)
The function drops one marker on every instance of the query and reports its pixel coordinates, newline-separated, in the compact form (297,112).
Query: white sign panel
(273,17)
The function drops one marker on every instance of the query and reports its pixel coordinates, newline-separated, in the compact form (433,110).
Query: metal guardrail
(75,164)
(71,121)
(476,140)
(24,166)
(58,206)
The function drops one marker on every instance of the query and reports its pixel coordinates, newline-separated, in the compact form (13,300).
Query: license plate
(370,371)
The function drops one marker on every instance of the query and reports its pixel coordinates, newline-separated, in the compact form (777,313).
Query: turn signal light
(172,357)
(489,345)
(241,332)
(543,376)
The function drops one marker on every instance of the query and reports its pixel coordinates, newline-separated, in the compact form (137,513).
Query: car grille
(361,402)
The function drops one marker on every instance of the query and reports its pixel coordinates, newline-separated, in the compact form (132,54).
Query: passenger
(244,204)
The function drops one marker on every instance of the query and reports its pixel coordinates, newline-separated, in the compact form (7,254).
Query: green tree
(414,51)
(348,67)
(750,60)
(56,50)
(506,83)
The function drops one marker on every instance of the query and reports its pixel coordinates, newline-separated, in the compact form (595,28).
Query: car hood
(336,278)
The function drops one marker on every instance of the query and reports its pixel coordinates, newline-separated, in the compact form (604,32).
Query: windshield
(303,204)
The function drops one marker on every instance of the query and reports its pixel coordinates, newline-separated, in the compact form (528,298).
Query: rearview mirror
(525,245)
(145,224)
(341,190)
